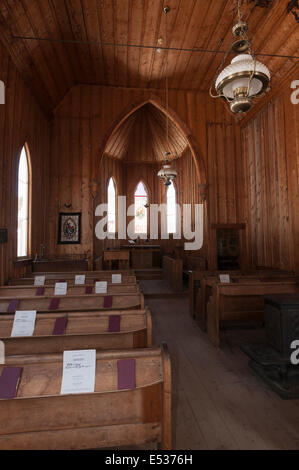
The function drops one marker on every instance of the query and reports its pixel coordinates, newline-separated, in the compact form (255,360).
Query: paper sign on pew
(79,370)
(39,281)
(224,278)
(60,288)
(24,323)
(116,278)
(101,287)
(80,280)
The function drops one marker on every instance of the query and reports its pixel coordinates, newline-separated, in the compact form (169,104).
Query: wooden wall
(250,168)
(270,144)
(87,116)
(21,120)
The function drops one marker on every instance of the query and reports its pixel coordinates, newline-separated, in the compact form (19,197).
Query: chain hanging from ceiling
(167,174)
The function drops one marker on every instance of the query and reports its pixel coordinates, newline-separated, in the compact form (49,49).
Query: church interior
(149,224)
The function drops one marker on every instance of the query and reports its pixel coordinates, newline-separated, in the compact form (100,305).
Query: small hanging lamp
(167,173)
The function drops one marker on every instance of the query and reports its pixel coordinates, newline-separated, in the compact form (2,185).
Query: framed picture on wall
(69,228)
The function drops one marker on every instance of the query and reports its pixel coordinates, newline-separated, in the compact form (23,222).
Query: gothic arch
(158,103)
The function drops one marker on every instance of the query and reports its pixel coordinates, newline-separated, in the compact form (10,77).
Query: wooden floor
(218,403)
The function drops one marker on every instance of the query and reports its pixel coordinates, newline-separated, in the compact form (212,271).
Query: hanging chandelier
(245,78)
(167,174)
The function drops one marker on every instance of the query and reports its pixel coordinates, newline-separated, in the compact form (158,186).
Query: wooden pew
(173,272)
(51,278)
(30,291)
(83,331)
(92,274)
(60,264)
(41,418)
(75,303)
(195,286)
(241,302)
(199,291)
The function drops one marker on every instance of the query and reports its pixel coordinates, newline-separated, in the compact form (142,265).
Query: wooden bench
(205,290)
(240,302)
(63,264)
(74,303)
(40,418)
(51,278)
(199,291)
(29,291)
(173,272)
(195,285)
(55,275)
(83,331)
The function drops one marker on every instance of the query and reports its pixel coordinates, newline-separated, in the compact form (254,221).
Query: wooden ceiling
(52,67)
(142,137)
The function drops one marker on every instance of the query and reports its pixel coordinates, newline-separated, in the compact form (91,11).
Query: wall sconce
(262,3)
(68,205)
(94,188)
(203,191)
(291,7)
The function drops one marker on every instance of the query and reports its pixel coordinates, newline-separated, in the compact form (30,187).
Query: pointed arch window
(171,208)
(111,206)
(24,185)
(140,201)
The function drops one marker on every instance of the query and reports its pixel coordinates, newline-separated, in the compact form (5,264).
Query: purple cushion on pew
(108,301)
(96,280)
(13,306)
(126,374)
(60,326)
(88,290)
(40,291)
(114,324)
(62,280)
(54,304)
(9,382)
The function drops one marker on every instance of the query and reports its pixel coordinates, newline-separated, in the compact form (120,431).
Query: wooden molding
(240,226)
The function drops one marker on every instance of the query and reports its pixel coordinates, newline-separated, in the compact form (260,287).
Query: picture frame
(69,228)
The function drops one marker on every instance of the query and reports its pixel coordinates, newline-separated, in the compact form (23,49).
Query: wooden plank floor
(153,287)
(218,403)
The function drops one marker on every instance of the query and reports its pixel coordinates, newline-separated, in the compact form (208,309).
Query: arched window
(140,201)
(23,203)
(111,206)
(171,208)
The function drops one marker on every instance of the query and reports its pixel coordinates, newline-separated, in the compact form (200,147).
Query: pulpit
(143,256)
(121,256)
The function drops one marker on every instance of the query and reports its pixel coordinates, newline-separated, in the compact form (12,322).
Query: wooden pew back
(173,272)
(30,291)
(83,331)
(203,289)
(242,301)
(75,303)
(41,418)
(51,278)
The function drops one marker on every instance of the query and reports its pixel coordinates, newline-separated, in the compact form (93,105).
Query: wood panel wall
(81,125)
(21,120)
(270,144)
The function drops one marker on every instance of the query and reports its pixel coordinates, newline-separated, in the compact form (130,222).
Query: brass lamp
(245,78)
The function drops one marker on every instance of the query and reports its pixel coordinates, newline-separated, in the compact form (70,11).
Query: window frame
(29,202)
(139,234)
(176,202)
(116,205)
